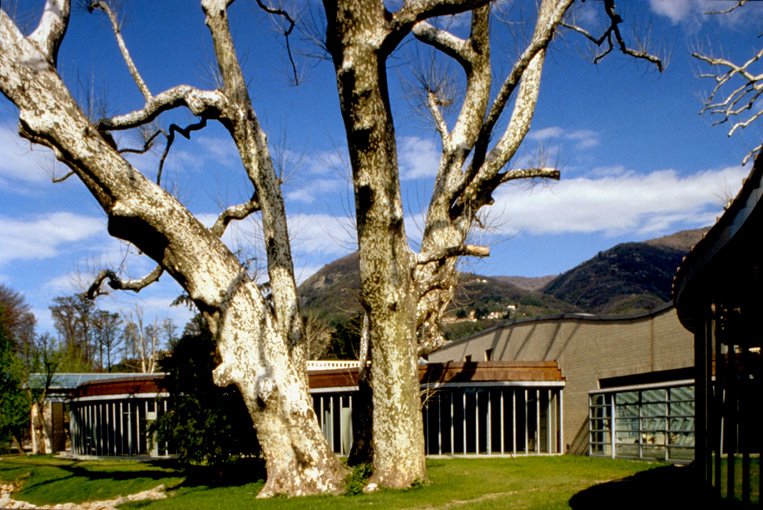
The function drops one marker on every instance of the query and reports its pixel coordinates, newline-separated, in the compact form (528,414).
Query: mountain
(333,292)
(628,278)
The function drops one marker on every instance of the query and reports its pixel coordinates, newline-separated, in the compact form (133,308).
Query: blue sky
(637,159)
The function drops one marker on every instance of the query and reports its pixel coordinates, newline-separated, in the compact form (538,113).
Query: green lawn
(520,483)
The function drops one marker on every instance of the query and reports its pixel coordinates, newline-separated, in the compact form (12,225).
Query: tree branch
(147,144)
(51,29)
(106,8)
(529,173)
(186,132)
(57,180)
(116,283)
(234,212)
(286,33)
(202,103)
(444,41)
(732,105)
(464,250)
(731,9)
(614,30)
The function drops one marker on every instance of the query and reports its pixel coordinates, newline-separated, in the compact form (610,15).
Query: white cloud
(694,13)
(580,138)
(418,157)
(313,190)
(616,204)
(44,236)
(22,161)
(218,148)
(322,234)
(676,10)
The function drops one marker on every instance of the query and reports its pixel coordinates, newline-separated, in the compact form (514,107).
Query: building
(718,293)
(474,408)
(637,369)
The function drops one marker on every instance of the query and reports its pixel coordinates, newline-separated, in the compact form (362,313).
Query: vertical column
(439,424)
(514,421)
(489,424)
(463,416)
(549,447)
(503,421)
(613,427)
(560,414)
(537,420)
(477,422)
(452,439)
(527,423)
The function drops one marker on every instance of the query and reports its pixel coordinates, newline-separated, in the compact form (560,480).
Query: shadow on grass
(234,474)
(670,487)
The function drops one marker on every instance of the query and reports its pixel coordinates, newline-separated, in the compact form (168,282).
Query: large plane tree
(258,328)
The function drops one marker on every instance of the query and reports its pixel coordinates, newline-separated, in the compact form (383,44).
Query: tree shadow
(669,487)
(232,474)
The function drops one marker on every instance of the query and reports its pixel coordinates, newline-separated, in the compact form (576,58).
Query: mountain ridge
(625,279)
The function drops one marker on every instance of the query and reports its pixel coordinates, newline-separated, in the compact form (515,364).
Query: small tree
(206,424)
(14,401)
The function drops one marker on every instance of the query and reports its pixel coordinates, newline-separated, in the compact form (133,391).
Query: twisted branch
(116,283)
(186,133)
(614,30)
(234,212)
(286,33)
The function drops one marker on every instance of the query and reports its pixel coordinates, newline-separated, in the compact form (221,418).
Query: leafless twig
(613,31)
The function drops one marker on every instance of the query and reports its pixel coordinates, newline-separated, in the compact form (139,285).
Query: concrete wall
(588,349)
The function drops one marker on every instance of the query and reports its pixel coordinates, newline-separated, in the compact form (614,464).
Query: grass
(521,483)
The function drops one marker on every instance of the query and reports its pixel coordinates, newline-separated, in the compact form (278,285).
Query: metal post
(439,425)
(537,420)
(463,416)
(514,421)
(477,422)
(452,439)
(548,421)
(612,423)
(561,420)
(527,424)
(503,419)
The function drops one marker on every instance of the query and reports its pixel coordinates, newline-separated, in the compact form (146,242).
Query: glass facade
(655,422)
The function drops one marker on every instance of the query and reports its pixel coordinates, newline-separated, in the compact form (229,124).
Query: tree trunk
(355,39)
(258,354)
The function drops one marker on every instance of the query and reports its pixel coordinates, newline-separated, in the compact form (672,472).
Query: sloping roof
(725,265)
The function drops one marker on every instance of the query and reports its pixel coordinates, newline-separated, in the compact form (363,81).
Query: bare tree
(259,337)
(143,341)
(404,293)
(260,333)
(107,337)
(736,90)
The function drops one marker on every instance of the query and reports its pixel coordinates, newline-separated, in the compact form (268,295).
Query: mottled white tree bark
(259,339)
(404,294)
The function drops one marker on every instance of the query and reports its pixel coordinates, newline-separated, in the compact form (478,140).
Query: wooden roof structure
(347,378)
